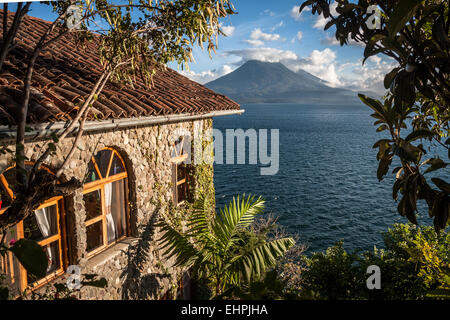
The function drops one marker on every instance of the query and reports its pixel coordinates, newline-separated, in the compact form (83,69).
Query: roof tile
(65,73)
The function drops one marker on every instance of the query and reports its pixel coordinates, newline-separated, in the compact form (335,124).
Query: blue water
(326,188)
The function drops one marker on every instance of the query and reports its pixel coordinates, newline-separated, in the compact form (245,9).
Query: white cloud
(299,36)
(209,75)
(228,30)
(321,21)
(270,13)
(255,43)
(277,26)
(257,34)
(330,40)
(375,59)
(321,64)
(295,12)
(369,77)
(350,75)
(263,54)
(257,37)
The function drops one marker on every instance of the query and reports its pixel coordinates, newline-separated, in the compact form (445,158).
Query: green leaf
(419,134)
(32,257)
(383,167)
(404,87)
(54,137)
(390,77)
(375,105)
(441,184)
(403,12)
(52,147)
(329,24)
(439,33)
(436,164)
(304,4)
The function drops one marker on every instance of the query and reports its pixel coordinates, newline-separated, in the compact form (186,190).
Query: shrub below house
(415,264)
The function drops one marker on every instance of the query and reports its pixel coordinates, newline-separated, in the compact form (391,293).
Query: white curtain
(111,228)
(43,219)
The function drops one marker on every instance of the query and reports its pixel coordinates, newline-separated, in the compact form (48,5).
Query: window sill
(110,253)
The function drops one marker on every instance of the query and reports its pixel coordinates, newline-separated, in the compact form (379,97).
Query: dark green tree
(416,108)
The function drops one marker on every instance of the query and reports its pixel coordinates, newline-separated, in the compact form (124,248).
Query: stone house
(130,160)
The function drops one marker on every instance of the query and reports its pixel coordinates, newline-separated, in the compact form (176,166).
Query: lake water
(326,188)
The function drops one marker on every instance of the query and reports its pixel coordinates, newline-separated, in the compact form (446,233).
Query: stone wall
(134,268)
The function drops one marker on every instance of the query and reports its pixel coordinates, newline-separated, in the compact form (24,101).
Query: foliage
(417,107)
(414,265)
(135,40)
(30,254)
(332,275)
(268,287)
(216,248)
(284,280)
(432,254)
(33,258)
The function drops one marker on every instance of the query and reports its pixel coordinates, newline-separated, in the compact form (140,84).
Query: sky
(274,31)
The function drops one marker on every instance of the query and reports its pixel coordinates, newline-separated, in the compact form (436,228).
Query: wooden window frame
(179,157)
(60,237)
(99,184)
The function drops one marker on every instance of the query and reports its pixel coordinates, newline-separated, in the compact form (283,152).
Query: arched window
(180,175)
(46,226)
(106,200)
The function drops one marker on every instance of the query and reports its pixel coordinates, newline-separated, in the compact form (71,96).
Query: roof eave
(45,130)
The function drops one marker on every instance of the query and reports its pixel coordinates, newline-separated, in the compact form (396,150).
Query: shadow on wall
(137,286)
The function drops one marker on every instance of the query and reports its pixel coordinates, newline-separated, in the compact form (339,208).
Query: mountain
(266,82)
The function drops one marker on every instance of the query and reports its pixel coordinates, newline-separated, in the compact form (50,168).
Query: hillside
(265,82)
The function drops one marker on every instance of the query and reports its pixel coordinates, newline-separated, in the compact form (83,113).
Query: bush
(414,265)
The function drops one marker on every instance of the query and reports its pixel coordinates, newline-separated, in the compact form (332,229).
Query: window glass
(118,208)
(181,192)
(181,172)
(115,210)
(5,200)
(94,235)
(108,204)
(91,175)
(42,224)
(9,265)
(116,166)
(10,177)
(102,158)
(93,204)
(52,251)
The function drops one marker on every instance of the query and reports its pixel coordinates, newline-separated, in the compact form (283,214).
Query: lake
(326,188)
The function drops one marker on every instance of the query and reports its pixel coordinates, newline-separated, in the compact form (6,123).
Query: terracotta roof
(65,73)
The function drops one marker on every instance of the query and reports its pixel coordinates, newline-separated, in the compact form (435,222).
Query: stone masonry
(134,267)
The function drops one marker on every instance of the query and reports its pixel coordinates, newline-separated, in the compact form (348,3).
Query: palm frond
(176,244)
(239,214)
(261,257)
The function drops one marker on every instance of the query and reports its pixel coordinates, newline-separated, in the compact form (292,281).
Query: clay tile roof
(65,73)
